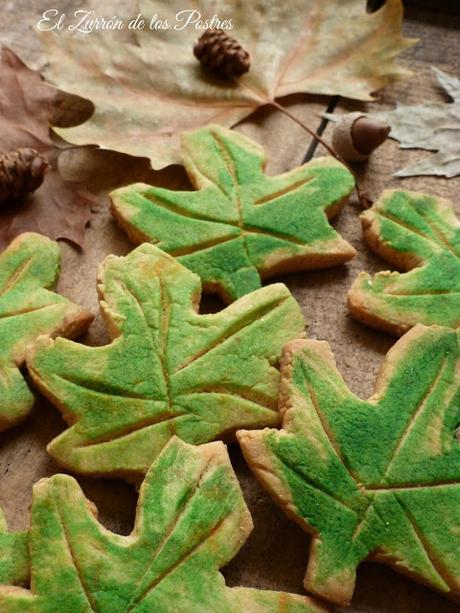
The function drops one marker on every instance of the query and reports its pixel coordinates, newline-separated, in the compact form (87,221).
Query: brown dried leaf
(145,94)
(58,208)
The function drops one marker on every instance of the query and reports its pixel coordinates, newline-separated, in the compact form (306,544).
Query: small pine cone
(21,171)
(221,54)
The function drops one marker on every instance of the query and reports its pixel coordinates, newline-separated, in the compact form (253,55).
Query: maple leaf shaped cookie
(240,224)
(373,479)
(168,370)
(417,233)
(191,520)
(29,268)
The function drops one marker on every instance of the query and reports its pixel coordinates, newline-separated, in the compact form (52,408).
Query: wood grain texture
(275,555)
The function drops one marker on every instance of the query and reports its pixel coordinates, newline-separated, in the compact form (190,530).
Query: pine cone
(221,54)
(21,171)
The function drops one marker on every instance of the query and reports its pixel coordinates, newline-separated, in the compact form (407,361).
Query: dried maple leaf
(375,479)
(58,208)
(420,234)
(191,520)
(434,126)
(29,269)
(156,89)
(168,370)
(240,224)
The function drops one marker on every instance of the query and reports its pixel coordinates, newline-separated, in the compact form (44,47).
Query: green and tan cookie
(240,225)
(418,233)
(14,555)
(376,479)
(29,269)
(169,370)
(191,520)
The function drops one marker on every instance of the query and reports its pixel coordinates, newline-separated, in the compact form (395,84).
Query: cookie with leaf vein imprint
(240,225)
(29,269)
(191,520)
(376,479)
(168,370)
(418,233)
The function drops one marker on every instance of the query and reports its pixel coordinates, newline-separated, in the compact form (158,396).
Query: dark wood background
(275,555)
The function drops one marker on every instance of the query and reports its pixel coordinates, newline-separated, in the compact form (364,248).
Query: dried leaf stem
(362,197)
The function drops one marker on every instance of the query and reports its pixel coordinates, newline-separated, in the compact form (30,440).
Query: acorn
(356,136)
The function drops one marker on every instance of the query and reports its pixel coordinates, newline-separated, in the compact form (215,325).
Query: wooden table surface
(276,553)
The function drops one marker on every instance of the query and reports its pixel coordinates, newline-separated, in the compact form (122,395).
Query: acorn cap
(368,134)
(356,136)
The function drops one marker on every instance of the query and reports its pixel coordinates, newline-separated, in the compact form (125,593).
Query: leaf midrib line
(153,93)
(86,592)
(16,276)
(412,419)
(30,310)
(224,390)
(185,503)
(283,191)
(239,325)
(396,220)
(297,48)
(438,569)
(125,430)
(162,330)
(436,230)
(198,248)
(103,389)
(316,485)
(132,430)
(409,294)
(231,164)
(149,421)
(123,288)
(193,249)
(362,521)
(199,170)
(161,201)
(189,555)
(164,314)
(177,209)
(411,486)
(326,429)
